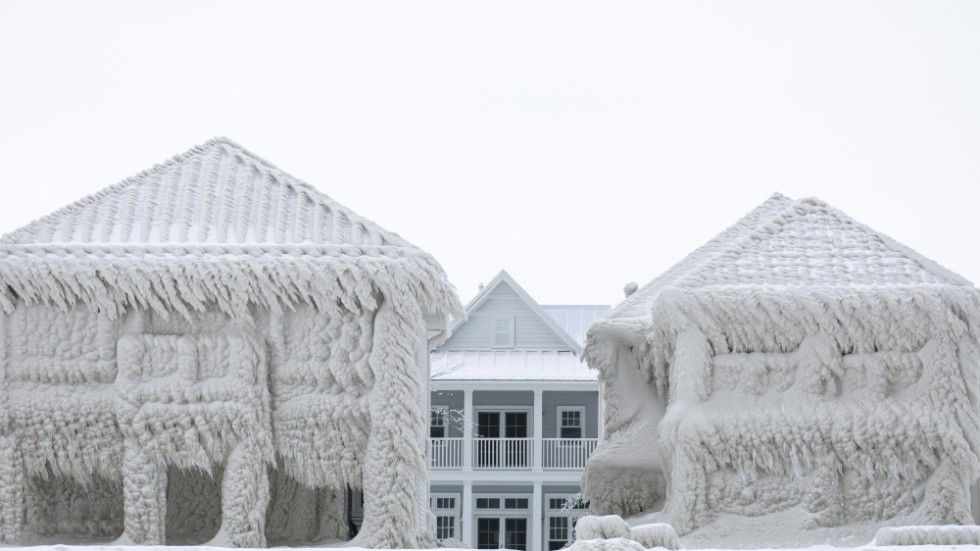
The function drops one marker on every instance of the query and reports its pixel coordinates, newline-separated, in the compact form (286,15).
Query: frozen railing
(447,453)
(566,453)
(502,453)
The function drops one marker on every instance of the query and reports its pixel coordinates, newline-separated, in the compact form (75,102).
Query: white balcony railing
(502,453)
(566,453)
(447,453)
(513,453)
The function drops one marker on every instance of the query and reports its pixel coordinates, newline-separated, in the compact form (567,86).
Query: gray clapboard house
(514,416)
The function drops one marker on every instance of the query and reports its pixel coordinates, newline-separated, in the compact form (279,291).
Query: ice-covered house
(214,351)
(799,377)
(514,416)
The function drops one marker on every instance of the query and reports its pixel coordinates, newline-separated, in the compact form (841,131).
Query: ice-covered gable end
(213,349)
(800,365)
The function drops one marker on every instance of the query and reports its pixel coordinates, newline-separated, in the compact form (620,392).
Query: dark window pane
(515,533)
(488,533)
(516,424)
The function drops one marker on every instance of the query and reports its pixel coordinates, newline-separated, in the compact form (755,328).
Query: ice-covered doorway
(193,505)
(61,509)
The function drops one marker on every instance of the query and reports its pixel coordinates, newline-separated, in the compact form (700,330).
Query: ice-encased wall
(830,410)
(152,423)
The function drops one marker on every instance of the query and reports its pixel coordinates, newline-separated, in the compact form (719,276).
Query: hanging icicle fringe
(233,278)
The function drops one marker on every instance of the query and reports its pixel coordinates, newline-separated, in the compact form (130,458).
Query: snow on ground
(868,546)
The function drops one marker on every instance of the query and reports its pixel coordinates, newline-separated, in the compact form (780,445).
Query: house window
(445,507)
(570,422)
(502,522)
(437,422)
(445,503)
(515,503)
(560,518)
(491,451)
(487,503)
(557,532)
(503,332)
(445,527)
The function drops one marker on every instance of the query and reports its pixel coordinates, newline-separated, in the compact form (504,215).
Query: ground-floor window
(445,507)
(558,535)
(560,518)
(502,522)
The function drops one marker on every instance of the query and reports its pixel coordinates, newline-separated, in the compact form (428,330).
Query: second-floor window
(437,422)
(503,332)
(570,422)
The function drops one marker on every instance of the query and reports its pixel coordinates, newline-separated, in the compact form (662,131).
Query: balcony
(502,453)
(566,453)
(512,453)
(447,453)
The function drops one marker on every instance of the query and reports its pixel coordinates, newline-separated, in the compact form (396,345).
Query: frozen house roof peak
(220,226)
(786,244)
(638,304)
(218,193)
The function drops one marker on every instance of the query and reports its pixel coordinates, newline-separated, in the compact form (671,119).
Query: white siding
(530,331)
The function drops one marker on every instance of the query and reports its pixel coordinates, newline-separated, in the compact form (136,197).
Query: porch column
(468,429)
(466,515)
(538,433)
(537,518)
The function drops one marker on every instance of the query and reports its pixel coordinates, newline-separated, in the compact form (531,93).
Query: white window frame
(502,411)
(493,331)
(571,514)
(502,513)
(445,416)
(453,512)
(581,418)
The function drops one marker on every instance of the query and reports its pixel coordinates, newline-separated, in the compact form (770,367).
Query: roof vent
(630,288)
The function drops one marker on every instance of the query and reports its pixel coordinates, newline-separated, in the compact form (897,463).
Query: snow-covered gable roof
(811,244)
(216,193)
(215,225)
(639,303)
(461,359)
(784,269)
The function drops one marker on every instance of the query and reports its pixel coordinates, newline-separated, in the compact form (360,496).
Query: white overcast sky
(577,145)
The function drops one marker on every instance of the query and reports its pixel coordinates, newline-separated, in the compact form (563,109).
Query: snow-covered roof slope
(219,225)
(509,365)
(639,303)
(811,244)
(216,193)
(547,339)
(786,242)
(576,319)
(784,251)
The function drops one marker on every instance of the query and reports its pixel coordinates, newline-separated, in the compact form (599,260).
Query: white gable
(542,348)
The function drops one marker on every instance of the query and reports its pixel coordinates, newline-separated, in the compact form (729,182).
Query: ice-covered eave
(184,279)
(778,319)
